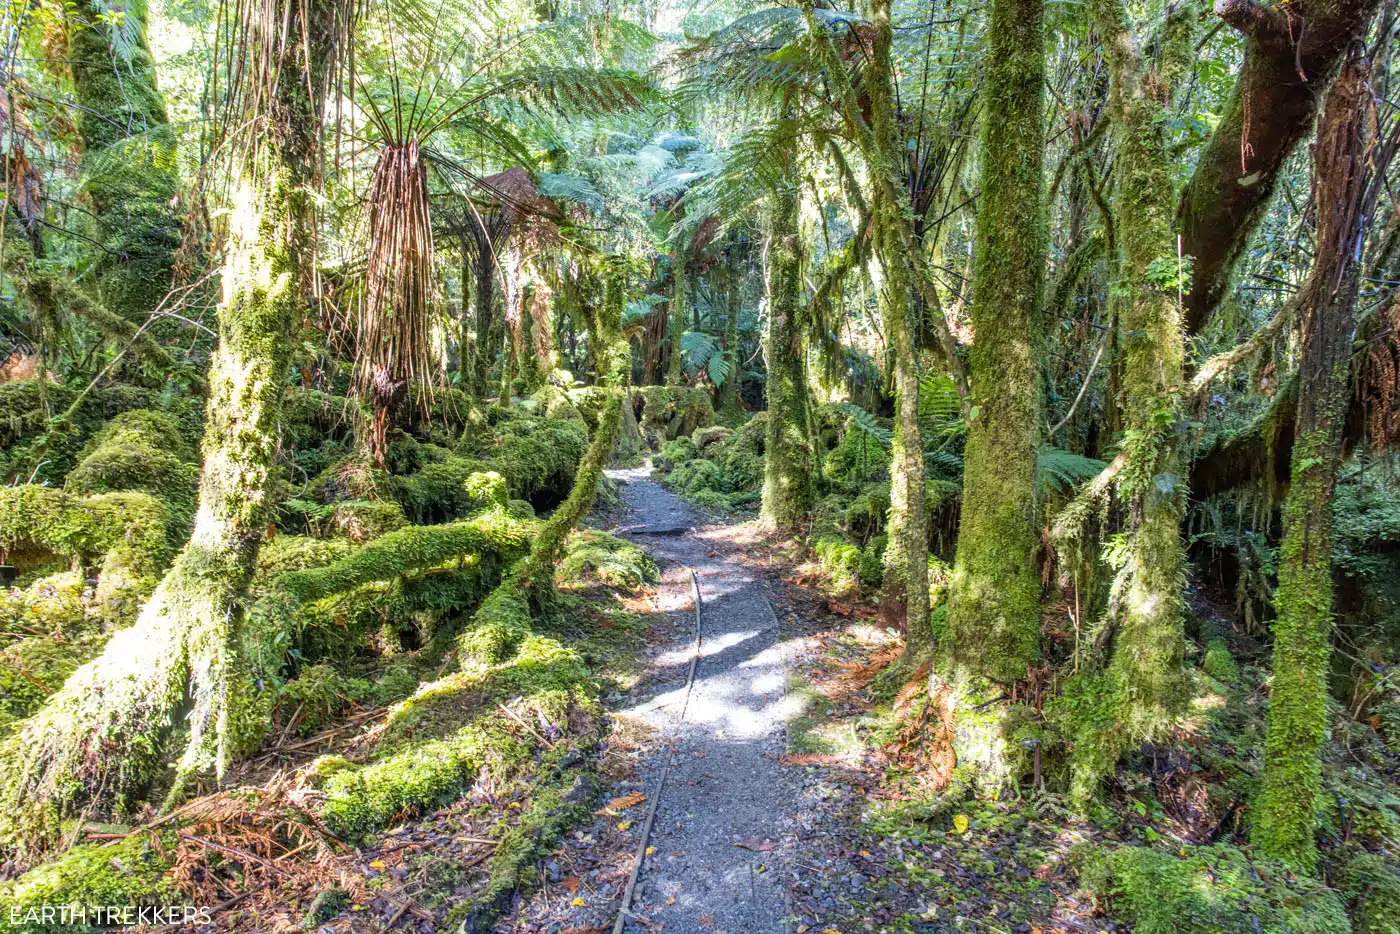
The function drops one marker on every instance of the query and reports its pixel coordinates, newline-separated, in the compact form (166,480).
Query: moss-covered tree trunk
(1145,681)
(484,348)
(994,600)
(734,299)
(787,464)
(680,307)
(100,739)
(906,557)
(1297,723)
(130,168)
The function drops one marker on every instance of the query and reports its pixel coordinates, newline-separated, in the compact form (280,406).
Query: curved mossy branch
(48,287)
(505,614)
(1291,53)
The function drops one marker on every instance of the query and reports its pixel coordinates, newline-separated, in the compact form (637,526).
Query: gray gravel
(722,820)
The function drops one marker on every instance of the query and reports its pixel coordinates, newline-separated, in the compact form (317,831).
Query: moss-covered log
(994,601)
(1302,633)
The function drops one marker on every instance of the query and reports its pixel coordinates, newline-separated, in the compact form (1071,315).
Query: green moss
(695,475)
(33,668)
(361,521)
(1211,890)
(840,559)
(1219,663)
(436,743)
(674,453)
(51,603)
(872,561)
(124,534)
(590,555)
(994,601)
(133,872)
(1371,886)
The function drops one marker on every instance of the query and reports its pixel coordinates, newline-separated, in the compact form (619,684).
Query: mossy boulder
(668,412)
(674,453)
(597,556)
(134,872)
(1209,890)
(142,450)
(712,434)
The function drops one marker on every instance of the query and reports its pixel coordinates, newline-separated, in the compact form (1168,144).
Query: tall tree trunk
(484,348)
(994,601)
(1145,681)
(1297,723)
(787,463)
(129,159)
(680,304)
(99,740)
(906,556)
(734,298)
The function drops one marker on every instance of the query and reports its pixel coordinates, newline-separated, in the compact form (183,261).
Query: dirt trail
(723,815)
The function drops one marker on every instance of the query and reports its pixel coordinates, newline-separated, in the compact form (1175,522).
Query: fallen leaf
(752,843)
(670,899)
(571,883)
(617,805)
(651,851)
(376,864)
(577,903)
(624,825)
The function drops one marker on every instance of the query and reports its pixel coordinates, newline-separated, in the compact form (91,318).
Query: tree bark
(994,599)
(99,740)
(1291,52)
(1297,722)
(787,463)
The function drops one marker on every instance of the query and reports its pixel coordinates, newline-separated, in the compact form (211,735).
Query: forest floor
(783,808)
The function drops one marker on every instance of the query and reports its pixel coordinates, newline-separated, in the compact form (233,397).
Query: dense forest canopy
(1044,356)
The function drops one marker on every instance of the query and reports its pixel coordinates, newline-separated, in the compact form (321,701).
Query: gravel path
(722,817)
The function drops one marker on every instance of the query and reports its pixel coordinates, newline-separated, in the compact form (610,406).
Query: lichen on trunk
(100,740)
